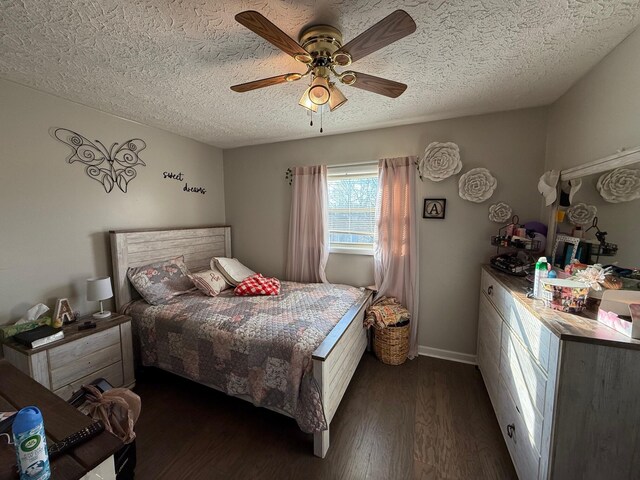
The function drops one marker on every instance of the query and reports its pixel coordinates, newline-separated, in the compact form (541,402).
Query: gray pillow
(159,282)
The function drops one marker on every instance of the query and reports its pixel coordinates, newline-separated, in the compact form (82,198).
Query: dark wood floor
(427,419)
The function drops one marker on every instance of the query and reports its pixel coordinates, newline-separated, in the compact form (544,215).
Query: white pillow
(232,269)
(210,282)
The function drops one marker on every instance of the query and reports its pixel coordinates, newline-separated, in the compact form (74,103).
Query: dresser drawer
(517,370)
(493,290)
(489,329)
(523,453)
(524,367)
(85,365)
(113,374)
(530,332)
(489,370)
(70,352)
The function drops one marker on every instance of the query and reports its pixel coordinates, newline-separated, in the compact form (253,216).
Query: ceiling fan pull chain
(311,123)
(321,110)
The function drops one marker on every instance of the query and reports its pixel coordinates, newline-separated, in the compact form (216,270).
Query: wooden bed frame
(334,361)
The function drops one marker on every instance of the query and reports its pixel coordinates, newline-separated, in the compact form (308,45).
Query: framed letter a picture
(434,208)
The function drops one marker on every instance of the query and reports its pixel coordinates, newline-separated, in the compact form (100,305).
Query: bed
(311,332)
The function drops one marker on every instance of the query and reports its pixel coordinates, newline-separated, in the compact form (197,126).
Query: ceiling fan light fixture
(343,59)
(292,77)
(306,102)
(348,78)
(337,98)
(303,58)
(319,91)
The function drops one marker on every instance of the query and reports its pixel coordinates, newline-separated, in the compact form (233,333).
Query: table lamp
(99,289)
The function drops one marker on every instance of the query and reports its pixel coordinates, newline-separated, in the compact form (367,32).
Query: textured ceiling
(170,64)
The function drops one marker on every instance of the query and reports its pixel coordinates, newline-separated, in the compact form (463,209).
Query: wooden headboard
(134,248)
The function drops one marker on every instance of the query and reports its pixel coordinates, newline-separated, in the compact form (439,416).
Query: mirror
(610,232)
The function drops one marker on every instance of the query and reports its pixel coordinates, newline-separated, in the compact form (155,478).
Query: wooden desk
(17,390)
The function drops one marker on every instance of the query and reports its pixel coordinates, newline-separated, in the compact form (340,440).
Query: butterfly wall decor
(109,166)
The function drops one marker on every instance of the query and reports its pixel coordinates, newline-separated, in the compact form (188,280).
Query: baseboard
(447,355)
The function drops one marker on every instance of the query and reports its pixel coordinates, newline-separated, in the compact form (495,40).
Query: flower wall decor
(620,185)
(582,214)
(477,185)
(109,166)
(439,161)
(500,212)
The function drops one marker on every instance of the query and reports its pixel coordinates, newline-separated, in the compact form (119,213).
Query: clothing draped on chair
(308,250)
(396,247)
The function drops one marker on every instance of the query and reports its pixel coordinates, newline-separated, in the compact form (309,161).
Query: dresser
(82,356)
(89,461)
(565,389)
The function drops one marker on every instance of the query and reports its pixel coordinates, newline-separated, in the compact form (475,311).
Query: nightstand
(81,356)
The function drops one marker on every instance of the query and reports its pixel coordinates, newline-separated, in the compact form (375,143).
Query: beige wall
(600,113)
(598,116)
(55,219)
(511,145)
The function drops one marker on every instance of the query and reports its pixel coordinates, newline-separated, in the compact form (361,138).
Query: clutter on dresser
(513,263)
(564,294)
(87,325)
(32,319)
(515,246)
(580,243)
(620,310)
(63,313)
(39,336)
(514,235)
(541,272)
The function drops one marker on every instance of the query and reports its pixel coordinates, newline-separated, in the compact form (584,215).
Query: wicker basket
(391,344)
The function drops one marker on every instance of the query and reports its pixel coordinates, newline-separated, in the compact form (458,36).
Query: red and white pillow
(210,282)
(258,285)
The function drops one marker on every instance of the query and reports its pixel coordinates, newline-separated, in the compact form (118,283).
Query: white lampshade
(99,289)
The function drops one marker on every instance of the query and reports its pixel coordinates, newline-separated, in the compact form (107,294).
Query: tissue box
(620,310)
(9,331)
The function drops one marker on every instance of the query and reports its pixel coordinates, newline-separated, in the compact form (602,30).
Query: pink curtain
(308,250)
(396,249)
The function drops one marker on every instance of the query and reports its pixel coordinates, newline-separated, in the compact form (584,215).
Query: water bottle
(31,445)
(541,273)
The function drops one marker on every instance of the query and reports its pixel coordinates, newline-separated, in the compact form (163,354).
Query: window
(352,208)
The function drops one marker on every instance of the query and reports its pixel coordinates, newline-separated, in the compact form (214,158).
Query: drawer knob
(511,429)
(490,289)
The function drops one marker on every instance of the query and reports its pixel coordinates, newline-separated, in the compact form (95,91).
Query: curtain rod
(372,162)
(289,172)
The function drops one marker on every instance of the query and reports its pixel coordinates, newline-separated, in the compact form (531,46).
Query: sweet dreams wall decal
(180,178)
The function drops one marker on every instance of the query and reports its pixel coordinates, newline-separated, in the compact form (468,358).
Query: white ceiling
(170,64)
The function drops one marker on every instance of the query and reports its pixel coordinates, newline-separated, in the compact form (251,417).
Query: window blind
(352,205)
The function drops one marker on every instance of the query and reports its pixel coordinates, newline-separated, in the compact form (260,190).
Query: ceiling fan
(322,51)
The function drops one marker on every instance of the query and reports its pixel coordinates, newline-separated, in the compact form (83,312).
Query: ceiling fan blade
(264,82)
(391,28)
(378,85)
(260,25)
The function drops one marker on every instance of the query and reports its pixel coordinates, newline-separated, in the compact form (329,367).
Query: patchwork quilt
(259,347)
